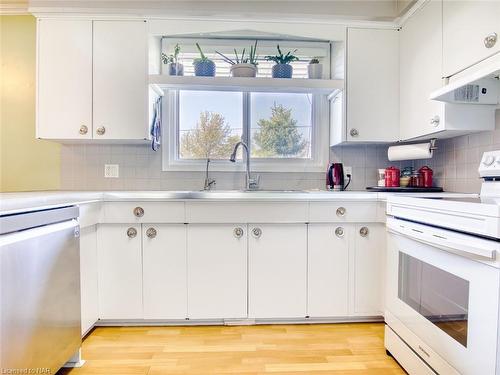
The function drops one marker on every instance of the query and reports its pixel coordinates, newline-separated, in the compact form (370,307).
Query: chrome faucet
(209,182)
(250,183)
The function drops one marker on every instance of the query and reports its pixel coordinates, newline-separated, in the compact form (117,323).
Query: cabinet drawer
(90,214)
(143,212)
(246,212)
(331,212)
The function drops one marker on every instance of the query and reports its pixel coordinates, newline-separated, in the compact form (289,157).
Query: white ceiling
(372,10)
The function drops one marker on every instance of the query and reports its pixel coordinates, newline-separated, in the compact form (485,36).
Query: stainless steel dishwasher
(39,290)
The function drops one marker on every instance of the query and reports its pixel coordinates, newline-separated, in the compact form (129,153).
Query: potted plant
(243,66)
(282,68)
(175,68)
(315,69)
(203,66)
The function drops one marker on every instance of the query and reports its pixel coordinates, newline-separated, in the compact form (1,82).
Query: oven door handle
(478,251)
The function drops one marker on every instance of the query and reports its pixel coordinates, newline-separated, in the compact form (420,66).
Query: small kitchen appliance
(442,305)
(392,175)
(335,177)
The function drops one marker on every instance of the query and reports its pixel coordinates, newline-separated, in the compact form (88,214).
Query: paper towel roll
(410,152)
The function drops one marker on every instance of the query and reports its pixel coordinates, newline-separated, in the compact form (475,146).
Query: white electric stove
(443,279)
(476,215)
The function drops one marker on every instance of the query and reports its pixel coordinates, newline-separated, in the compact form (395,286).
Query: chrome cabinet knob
(138,212)
(363,232)
(101,130)
(131,232)
(257,232)
(435,121)
(151,233)
(354,132)
(339,232)
(84,129)
(490,40)
(238,232)
(341,211)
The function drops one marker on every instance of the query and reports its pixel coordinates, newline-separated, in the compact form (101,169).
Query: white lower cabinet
(88,277)
(164,271)
(277,270)
(217,271)
(369,257)
(328,270)
(120,271)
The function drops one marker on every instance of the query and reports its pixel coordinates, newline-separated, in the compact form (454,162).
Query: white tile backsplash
(455,166)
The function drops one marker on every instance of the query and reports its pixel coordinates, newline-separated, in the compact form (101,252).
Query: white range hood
(481,86)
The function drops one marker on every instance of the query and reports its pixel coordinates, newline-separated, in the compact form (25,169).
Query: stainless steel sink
(235,194)
(208,194)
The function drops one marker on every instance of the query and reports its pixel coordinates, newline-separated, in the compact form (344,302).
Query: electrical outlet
(347,170)
(111,170)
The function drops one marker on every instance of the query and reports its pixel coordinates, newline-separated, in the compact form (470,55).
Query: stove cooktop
(477,200)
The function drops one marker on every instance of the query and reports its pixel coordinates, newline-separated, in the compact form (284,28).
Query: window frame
(319,142)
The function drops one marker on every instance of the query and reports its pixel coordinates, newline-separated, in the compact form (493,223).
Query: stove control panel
(490,164)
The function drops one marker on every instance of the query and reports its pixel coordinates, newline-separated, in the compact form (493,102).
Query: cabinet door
(217,271)
(466,27)
(64,79)
(164,271)
(421,63)
(88,277)
(277,270)
(328,270)
(120,80)
(372,85)
(368,269)
(120,271)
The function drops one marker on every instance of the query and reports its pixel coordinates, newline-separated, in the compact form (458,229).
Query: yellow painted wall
(25,163)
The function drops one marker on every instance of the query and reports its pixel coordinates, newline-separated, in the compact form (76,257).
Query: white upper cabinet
(420,74)
(64,71)
(470,33)
(92,80)
(120,80)
(421,46)
(371,98)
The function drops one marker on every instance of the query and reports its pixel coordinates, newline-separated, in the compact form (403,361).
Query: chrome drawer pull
(339,232)
(363,232)
(151,233)
(341,211)
(131,232)
(257,232)
(138,212)
(238,232)
(490,40)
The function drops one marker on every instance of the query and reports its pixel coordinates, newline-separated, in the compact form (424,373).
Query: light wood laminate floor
(264,349)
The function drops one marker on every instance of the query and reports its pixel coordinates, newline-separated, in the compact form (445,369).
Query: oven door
(443,288)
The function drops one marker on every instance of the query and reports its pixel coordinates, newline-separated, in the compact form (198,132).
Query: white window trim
(319,144)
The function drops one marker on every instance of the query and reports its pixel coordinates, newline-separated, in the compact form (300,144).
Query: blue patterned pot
(282,71)
(204,68)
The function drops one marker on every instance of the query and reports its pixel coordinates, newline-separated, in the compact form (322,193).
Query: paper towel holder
(432,144)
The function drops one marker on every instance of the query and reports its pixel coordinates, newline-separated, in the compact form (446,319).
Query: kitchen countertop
(11,203)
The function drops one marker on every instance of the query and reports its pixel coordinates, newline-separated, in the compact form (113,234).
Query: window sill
(255,166)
